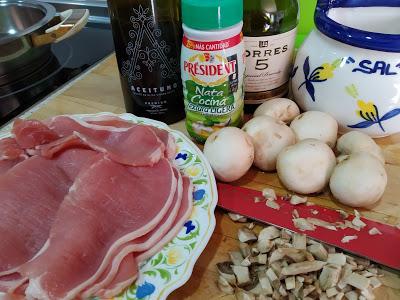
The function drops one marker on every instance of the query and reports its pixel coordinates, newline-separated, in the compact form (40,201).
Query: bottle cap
(211,14)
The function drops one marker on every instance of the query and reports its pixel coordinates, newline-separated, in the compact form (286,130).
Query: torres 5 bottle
(147,37)
(269,30)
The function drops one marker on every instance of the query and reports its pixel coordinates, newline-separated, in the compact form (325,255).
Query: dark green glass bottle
(148,37)
(269,30)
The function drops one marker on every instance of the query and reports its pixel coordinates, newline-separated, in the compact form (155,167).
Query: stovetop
(69,58)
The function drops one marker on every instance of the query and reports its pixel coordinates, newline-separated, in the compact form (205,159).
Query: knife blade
(380,248)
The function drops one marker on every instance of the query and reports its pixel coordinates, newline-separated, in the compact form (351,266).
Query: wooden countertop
(99,90)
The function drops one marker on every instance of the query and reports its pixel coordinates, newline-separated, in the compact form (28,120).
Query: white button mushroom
(315,125)
(280,108)
(359,180)
(270,136)
(356,141)
(230,152)
(306,167)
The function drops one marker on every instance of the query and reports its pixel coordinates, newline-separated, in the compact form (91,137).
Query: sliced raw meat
(142,243)
(11,283)
(6,165)
(10,150)
(51,149)
(31,133)
(72,161)
(136,146)
(126,275)
(108,205)
(183,215)
(121,280)
(114,121)
(30,194)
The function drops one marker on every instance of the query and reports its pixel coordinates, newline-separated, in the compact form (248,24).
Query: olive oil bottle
(269,29)
(147,38)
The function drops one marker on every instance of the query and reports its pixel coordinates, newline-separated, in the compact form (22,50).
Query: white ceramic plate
(172,266)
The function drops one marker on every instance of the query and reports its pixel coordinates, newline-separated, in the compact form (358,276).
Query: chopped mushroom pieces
(246,235)
(280,264)
(374,231)
(303,225)
(348,238)
(295,200)
(272,204)
(237,218)
(321,223)
(269,194)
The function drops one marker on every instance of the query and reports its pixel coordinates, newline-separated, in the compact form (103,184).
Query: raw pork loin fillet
(83,202)
(108,205)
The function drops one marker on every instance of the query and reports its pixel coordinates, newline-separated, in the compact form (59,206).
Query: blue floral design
(182,156)
(199,194)
(319,74)
(145,290)
(189,226)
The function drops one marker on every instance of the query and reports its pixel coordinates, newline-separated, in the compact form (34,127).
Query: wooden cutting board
(99,90)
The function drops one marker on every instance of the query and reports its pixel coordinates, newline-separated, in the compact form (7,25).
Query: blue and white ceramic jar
(350,65)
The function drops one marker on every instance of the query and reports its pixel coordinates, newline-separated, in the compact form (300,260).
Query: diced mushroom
(246,235)
(245,249)
(319,251)
(314,212)
(375,283)
(357,221)
(262,259)
(295,214)
(236,257)
(339,296)
(346,271)
(295,200)
(337,259)
(374,231)
(237,218)
(358,281)
(303,267)
(243,295)
(352,295)
(251,225)
(265,245)
(272,204)
(246,262)
(225,270)
(282,291)
(257,199)
(344,215)
(322,223)
(269,193)
(254,251)
(332,292)
(303,225)
(308,290)
(294,254)
(299,241)
(367,274)
(269,233)
(242,275)
(346,239)
(286,234)
(290,282)
(224,286)
(273,278)
(368,294)
(329,276)
(265,283)
(276,267)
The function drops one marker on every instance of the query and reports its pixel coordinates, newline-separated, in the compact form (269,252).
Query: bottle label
(212,76)
(151,65)
(268,61)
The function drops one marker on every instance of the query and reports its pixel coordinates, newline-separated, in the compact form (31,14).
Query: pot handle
(66,24)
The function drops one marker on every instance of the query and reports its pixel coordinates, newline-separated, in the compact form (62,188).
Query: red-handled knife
(381,248)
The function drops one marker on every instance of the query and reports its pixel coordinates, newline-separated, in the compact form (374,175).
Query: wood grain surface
(100,90)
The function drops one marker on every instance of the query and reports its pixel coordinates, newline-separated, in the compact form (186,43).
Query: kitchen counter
(99,90)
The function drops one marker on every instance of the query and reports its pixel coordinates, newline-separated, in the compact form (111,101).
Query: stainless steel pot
(27,28)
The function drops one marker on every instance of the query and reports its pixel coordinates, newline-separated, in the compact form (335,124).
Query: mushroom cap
(270,136)
(359,180)
(279,108)
(306,167)
(315,125)
(356,141)
(230,152)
